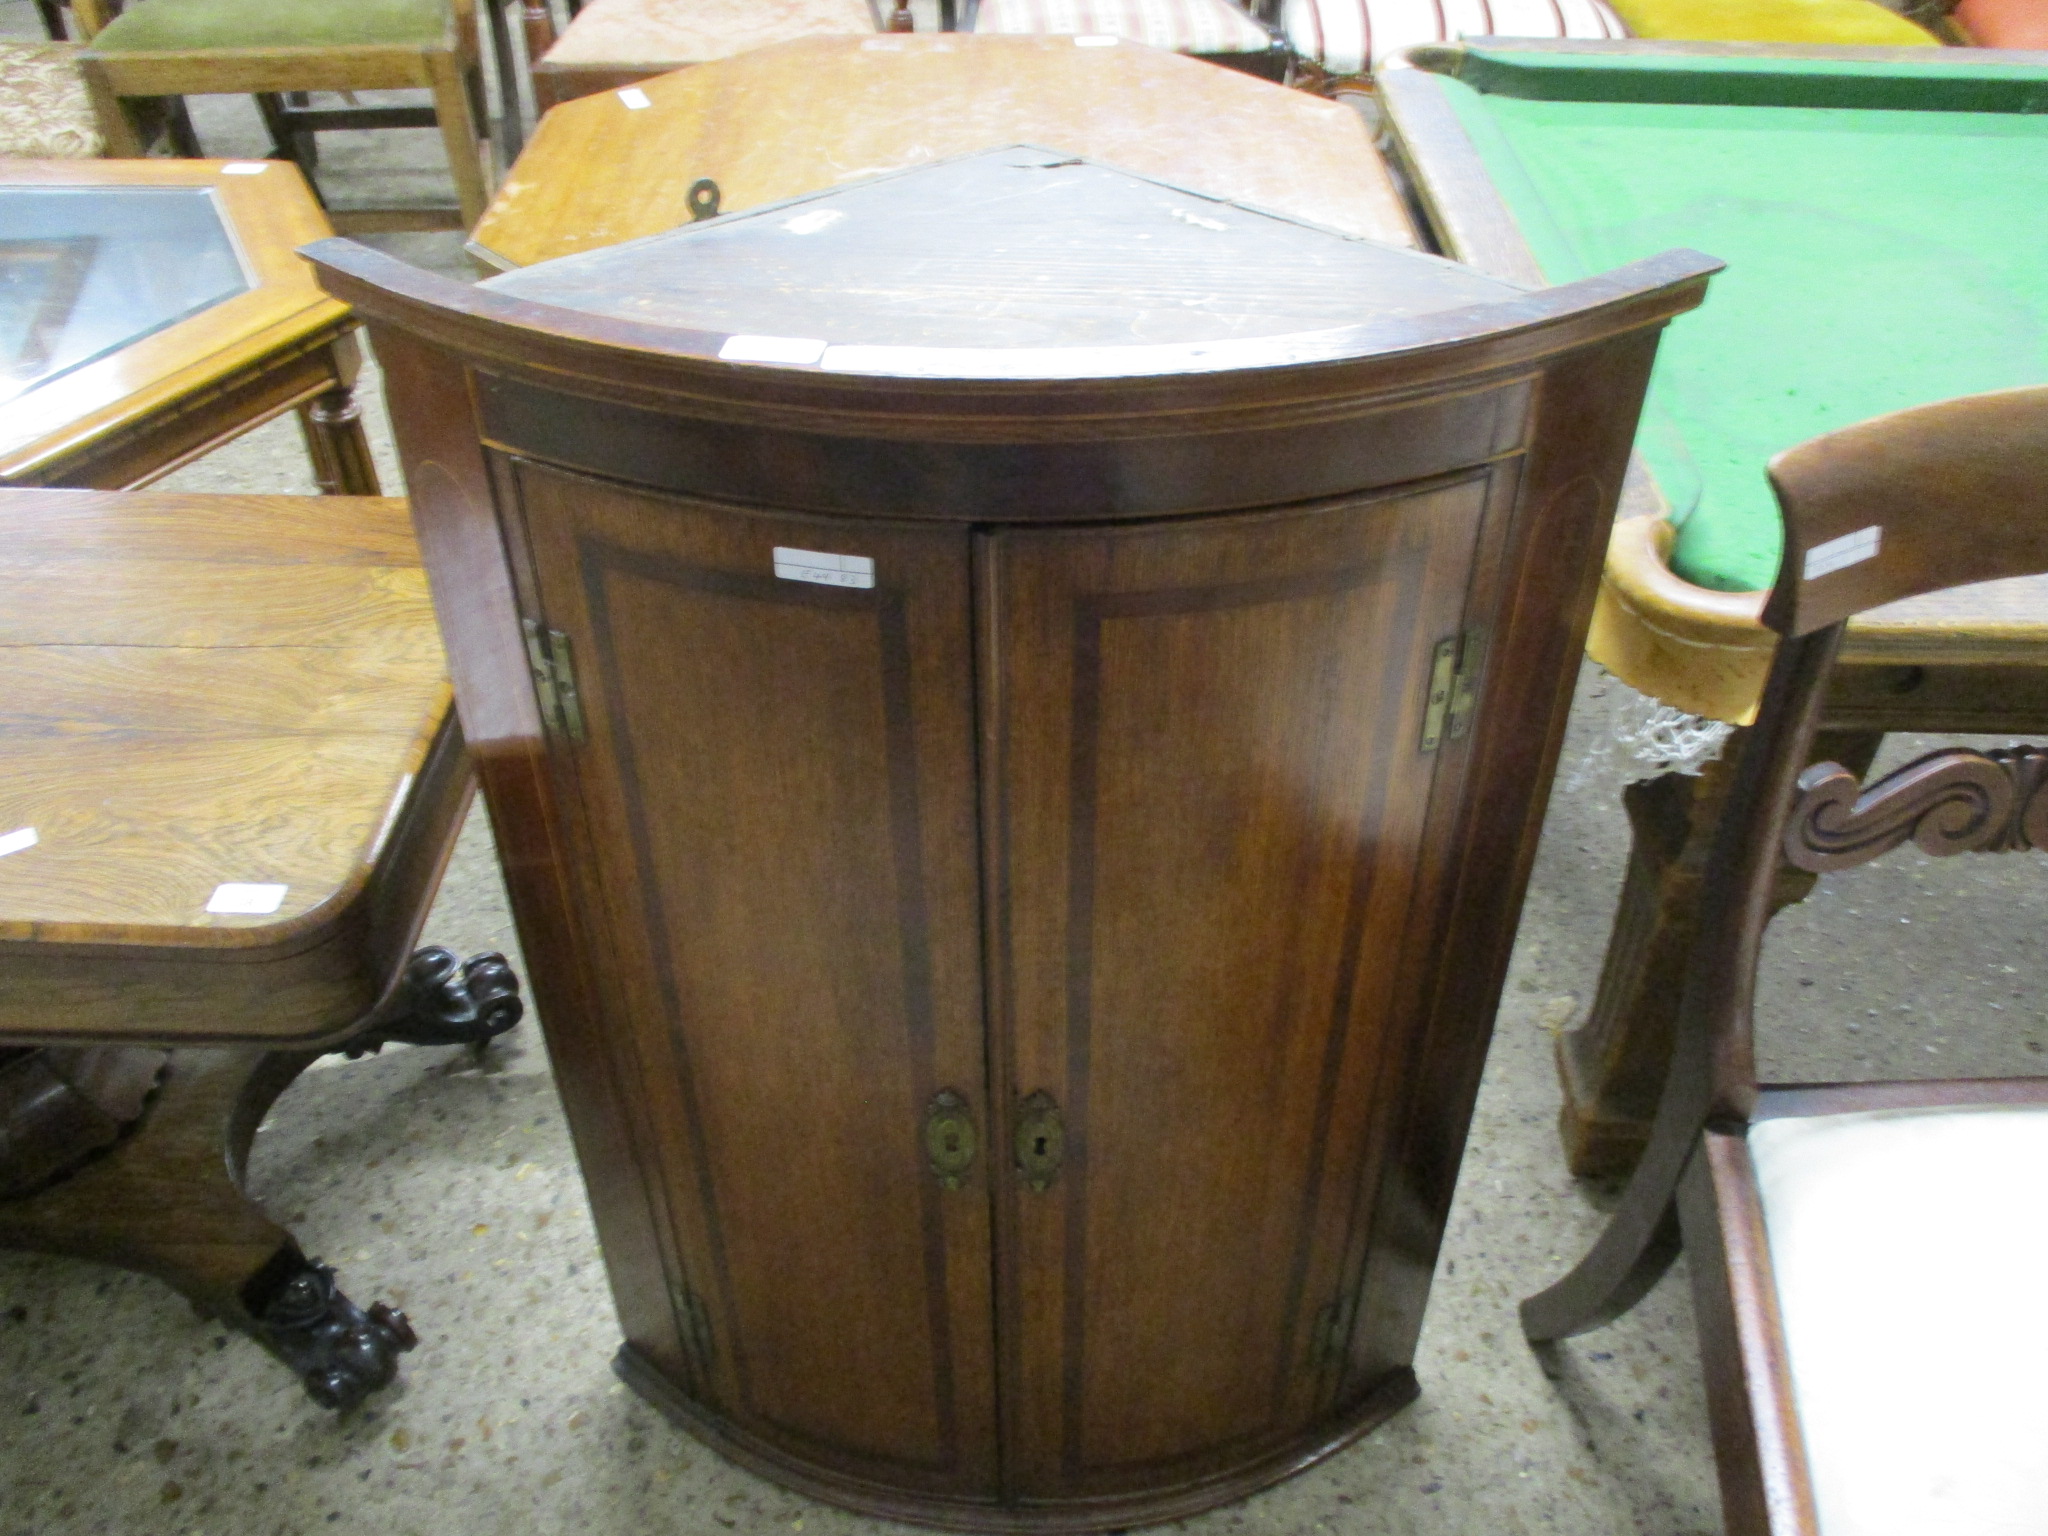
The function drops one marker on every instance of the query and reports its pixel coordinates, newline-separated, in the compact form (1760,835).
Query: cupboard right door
(1212,828)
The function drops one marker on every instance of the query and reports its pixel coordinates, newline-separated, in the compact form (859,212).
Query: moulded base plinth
(1394,1392)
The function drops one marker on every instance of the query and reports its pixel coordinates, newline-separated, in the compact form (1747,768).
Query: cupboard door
(1208,815)
(778,785)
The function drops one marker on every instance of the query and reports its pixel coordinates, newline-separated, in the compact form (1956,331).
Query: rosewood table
(815,113)
(229,779)
(151,310)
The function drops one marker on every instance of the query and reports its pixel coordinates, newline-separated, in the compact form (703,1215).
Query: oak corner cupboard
(1016,701)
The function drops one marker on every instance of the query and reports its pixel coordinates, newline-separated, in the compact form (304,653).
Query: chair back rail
(1938,496)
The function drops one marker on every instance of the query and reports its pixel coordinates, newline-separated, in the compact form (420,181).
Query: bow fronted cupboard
(1016,701)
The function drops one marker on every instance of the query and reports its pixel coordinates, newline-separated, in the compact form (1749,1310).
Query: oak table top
(216,707)
(154,308)
(815,113)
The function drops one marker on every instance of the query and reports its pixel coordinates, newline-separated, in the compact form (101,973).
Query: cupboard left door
(775,774)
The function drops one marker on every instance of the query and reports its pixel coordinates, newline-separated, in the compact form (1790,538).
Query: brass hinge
(1453,689)
(554,680)
(1330,1339)
(693,1319)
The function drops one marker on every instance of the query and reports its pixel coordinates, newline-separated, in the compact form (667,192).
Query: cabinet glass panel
(85,271)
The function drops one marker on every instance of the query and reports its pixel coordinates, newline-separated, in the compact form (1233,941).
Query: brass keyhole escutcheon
(1041,1141)
(949,1142)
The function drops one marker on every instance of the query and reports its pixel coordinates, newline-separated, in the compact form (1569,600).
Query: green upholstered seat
(163,26)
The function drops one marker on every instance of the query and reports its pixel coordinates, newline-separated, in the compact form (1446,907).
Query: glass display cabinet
(151,310)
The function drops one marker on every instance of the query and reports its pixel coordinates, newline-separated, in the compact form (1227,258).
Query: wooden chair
(1866,1258)
(275,49)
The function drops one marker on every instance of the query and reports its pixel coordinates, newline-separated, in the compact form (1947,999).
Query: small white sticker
(771,349)
(1195,219)
(1838,554)
(245,168)
(634,98)
(246,900)
(1095,41)
(826,570)
(817,219)
(14,842)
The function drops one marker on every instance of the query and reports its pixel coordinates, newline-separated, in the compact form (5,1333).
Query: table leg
(1612,1067)
(168,1201)
(333,426)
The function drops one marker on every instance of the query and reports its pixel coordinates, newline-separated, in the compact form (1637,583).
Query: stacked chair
(279,50)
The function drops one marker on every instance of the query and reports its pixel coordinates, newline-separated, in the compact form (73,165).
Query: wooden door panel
(1206,832)
(779,777)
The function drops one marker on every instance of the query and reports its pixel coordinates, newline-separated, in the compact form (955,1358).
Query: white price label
(827,570)
(239,900)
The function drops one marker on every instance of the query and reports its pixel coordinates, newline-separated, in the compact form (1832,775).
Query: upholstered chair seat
(178,25)
(45,111)
(282,51)
(1910,1256)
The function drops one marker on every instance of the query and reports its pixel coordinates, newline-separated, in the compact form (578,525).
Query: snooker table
(1884,216)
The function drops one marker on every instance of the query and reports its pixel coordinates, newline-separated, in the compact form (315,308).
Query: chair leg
(116,119)
(538,22)
(286,141)
(1643,1236)
(179,130)
(511,129)
(453,109)
(53,20)
(1631,1256)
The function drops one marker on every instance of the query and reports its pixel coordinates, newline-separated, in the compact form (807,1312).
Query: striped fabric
(1179,26)
(1348,37)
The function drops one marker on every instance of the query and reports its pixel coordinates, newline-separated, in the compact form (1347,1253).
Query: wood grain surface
(193,701)
(815,113)
(201,691)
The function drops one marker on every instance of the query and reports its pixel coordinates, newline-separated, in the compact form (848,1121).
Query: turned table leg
(1612,1067)
(168,1201)
(333,426)
(159,1189)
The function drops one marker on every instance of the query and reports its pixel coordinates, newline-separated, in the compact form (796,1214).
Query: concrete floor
(449,1188)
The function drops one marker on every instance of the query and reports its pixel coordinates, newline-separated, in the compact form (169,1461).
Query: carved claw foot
(341,1353)
(445,1001)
